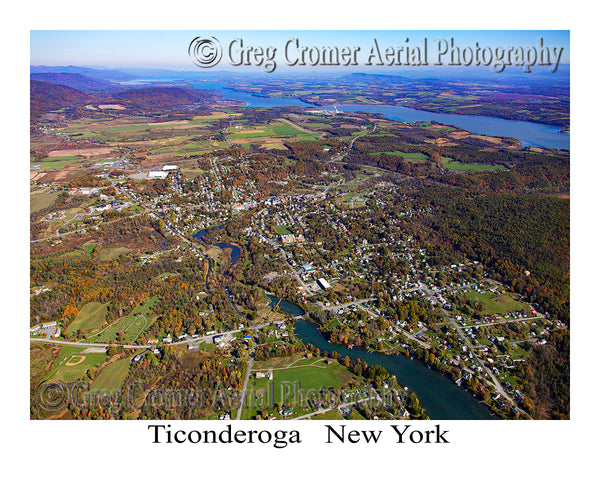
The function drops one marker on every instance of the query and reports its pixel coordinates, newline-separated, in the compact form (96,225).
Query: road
(245,387)
(302,284)
(349,304)
(376,397)
(362,134)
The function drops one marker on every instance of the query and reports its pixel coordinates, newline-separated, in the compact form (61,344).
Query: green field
(273,130)
(331,415)
(63,372)
(91,316)
(55,163)
(295,382)
(451,164)
(113,252)
(39,201)
(282,230)
(497,304)
(112,376)
(132,326)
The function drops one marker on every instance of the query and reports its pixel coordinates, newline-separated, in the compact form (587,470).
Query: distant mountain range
(77,80)
(45,97)
(95,73)
(56,90)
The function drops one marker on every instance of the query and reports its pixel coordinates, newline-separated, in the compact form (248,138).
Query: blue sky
(168,49)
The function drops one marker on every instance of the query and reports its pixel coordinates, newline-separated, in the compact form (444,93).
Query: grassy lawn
(282,230)
(497,304)
(64,372)
(113,252)
(55,163)
(91,316)
(298,381)
(331,415)
(111,377)
(355,415)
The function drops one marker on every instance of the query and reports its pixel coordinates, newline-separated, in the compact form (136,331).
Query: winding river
(438,395)
(441,398)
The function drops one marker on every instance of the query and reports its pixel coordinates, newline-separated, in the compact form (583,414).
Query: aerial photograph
(299,225)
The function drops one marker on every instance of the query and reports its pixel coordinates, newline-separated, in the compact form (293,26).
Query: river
(529,133)
(441,398)
(438,395)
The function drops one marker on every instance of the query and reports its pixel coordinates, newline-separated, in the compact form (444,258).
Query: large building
(159,174)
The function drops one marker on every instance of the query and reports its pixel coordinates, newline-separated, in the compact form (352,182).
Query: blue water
(438,395)
(286,307)
(236,252)
(535,134)
(441,398)
(253,100)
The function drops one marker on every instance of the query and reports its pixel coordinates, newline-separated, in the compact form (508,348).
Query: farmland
(129,328)
(90,317)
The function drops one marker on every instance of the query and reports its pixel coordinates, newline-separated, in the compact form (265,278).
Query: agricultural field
(414,157)
(40,200)
(451,164)
(111,377)
(272,135)
(91,316)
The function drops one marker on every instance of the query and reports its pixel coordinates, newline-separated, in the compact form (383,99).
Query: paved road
(341,156)
(302,284)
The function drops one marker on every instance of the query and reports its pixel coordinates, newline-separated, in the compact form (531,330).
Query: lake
(535,134)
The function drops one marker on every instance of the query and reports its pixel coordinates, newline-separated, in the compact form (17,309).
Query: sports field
(72,363)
